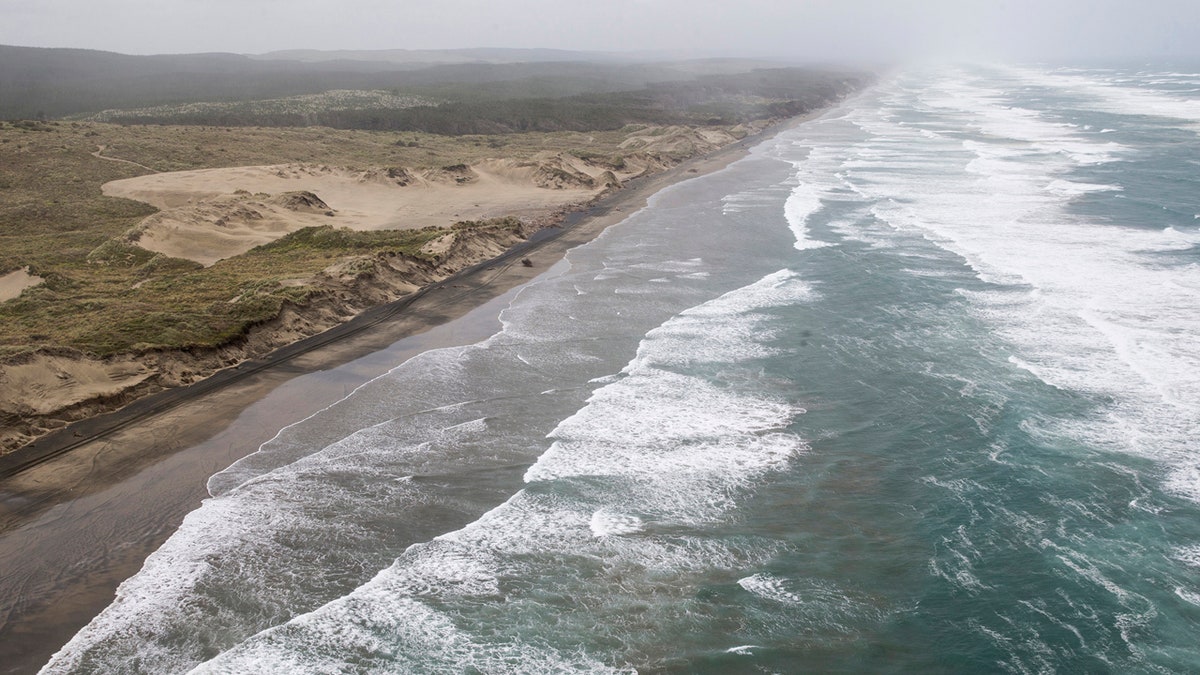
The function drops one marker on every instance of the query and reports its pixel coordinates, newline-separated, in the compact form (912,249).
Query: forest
(482,97)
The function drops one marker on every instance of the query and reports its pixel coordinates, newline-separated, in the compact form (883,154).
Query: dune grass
(135,300)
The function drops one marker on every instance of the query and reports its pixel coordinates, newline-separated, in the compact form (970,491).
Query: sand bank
(13,283)
(210,214)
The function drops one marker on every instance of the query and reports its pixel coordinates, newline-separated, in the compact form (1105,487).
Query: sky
(826,30)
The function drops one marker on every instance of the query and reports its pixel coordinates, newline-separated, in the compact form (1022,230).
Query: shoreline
(126,479)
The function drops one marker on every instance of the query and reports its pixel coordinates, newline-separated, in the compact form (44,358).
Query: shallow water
(914,387)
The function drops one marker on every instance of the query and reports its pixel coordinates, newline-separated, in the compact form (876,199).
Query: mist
(808,30)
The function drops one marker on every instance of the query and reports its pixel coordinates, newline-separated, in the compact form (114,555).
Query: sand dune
(41,386)
(210,214)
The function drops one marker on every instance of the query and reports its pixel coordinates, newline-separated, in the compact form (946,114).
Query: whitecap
(606,523)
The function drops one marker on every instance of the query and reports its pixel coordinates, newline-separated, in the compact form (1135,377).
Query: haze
(830,30)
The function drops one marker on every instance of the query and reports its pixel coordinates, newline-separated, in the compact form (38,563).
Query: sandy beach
(82,510)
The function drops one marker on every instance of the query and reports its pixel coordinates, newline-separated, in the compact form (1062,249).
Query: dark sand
(84,517)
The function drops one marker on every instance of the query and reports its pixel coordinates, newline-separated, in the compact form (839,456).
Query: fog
(837,30)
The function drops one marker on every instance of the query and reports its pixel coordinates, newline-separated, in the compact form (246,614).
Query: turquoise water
(915,387)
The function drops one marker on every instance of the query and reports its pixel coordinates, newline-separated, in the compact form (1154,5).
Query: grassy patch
(127,299)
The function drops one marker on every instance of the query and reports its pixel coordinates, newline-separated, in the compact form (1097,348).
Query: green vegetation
(463,98)
(300,110)
(131,300)
(51,208)
(476,109)
(50,83)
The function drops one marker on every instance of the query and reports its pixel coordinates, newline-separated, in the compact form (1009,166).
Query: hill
(472,91)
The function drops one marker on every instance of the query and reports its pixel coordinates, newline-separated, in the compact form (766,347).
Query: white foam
(812,603)
(1189,596)
(385,631)
(748,200)
(606,522)
(1188,555)
(771,588)
(651,447)
(683,440)
(1184,480)
(802,204)
(1084,305)
(1066,188)
(247,544)
(1033,370)
(744,650)
(1112,97)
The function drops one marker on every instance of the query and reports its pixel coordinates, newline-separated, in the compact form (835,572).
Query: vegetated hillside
(472,98)
(499,108)
(37,82)
(419,57)
(707,99)
(55,82)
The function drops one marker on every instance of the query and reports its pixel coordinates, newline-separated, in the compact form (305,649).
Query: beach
(78,515)
(909,387)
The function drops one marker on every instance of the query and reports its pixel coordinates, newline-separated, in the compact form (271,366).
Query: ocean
(914,387)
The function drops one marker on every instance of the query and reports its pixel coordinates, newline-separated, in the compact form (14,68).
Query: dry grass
(133,300)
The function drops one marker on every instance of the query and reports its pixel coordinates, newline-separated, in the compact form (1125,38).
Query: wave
(1103,311)
(1114,96)
(1084,303)
(607,519)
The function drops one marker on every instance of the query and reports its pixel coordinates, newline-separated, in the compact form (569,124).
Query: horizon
(640,56)
(818,30)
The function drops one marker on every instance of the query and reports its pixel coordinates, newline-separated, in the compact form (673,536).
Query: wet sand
(79,514)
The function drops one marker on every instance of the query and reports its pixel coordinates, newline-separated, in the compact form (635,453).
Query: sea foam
(1080,301)
(653,448)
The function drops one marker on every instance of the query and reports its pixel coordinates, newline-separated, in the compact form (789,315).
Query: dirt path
(100,149)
